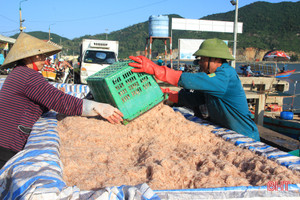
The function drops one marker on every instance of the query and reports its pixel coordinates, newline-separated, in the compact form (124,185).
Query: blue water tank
(287,115)
(159,26)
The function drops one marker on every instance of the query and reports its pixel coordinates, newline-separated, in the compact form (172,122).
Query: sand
(160,148)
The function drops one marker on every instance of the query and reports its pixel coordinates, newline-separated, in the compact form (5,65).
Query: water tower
(158,30)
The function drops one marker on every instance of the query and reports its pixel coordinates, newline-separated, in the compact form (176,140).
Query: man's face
(203,63)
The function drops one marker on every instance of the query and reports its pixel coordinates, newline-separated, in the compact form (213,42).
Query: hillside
(45,36)
(266,26)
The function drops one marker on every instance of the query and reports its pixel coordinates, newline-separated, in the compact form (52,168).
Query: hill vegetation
(45,36)
(266,26)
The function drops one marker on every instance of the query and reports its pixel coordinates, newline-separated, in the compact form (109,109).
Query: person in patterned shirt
(26,95)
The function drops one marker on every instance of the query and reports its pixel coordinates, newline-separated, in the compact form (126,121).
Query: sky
(74,18)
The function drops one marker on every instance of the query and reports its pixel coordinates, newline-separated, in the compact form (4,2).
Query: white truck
(96,55)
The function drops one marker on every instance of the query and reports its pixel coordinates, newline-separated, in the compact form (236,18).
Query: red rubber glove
(162,73)
(173,95)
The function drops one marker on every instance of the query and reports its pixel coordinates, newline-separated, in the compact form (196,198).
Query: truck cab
(96,55)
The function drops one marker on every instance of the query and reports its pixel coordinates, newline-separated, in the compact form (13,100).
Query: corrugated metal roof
(7,39)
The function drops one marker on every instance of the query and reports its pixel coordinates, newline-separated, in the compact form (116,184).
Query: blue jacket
(224,96)
(160,62)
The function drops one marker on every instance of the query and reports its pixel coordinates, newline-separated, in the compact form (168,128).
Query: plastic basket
(295,153)
(132,93)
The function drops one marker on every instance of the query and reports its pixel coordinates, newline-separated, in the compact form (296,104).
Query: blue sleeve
(214,84)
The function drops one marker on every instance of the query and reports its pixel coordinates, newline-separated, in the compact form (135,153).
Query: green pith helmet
(214,48)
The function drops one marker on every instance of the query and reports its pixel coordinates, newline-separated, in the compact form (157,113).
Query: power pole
(49,31)
(21,20)
(235,3)
(106,33)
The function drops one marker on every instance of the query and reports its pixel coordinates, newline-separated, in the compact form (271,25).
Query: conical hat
(27,46)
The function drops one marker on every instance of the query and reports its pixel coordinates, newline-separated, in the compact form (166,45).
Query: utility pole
(106,33)
(235,3)
(49,31)
(21,20)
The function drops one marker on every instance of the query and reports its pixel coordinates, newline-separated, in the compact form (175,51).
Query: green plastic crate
(132,93)
(295,152)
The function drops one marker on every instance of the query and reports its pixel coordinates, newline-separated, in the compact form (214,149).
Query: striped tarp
(76,90)
(36,172)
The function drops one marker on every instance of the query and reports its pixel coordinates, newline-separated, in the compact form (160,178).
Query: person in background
(62,70)
(1,59)
(248,71)
(48,61)
(26,95)
(284,68)
(218,87)
(63,65)
(244,70)
(160,62)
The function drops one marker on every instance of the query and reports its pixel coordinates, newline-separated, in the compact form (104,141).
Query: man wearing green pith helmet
(217,86)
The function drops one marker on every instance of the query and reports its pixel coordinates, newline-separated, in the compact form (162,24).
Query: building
(5,44)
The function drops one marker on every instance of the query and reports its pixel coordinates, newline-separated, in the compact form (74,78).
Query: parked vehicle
(96,55)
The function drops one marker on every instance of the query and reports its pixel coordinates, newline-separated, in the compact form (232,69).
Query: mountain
(45,36)
(266,26)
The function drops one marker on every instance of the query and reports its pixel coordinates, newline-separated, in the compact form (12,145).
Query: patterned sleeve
(45,94)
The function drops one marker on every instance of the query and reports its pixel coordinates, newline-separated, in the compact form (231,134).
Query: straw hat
(27,46)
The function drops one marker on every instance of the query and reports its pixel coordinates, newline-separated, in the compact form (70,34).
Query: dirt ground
(160,148)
